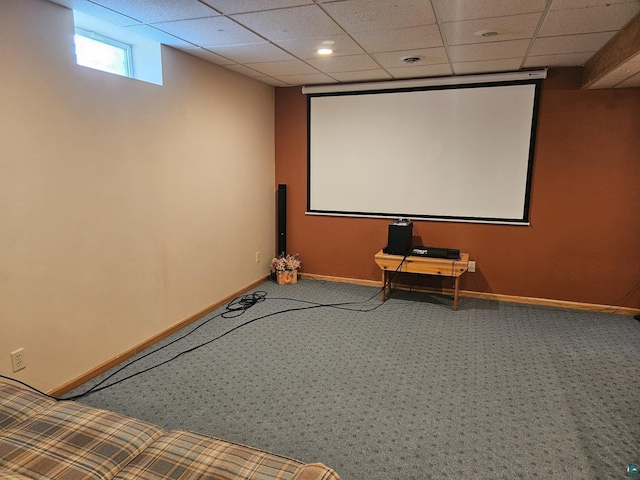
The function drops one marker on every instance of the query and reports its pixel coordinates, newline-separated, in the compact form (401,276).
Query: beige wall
(125,207)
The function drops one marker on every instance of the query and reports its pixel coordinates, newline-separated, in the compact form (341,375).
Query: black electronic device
(400,238)
(435,252)
(282,219)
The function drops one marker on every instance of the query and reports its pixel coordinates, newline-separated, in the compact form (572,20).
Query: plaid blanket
(7,475)
(44,439)
(17,403)
(181,455)
(73,441)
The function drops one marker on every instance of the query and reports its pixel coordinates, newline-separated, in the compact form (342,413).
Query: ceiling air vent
(410,60)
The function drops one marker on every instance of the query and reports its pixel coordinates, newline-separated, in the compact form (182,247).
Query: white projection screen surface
(458,154)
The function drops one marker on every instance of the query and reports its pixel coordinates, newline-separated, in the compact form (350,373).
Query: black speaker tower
(282,219)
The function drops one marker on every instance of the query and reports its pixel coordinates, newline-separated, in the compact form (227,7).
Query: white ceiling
(275,41)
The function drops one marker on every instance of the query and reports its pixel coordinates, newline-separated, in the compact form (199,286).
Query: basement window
(102,53)
(118,50)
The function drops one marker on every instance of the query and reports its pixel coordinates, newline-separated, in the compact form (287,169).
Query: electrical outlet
(257,257)
(471,266)
(17,360)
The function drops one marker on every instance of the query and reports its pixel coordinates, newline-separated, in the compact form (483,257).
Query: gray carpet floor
(404,390)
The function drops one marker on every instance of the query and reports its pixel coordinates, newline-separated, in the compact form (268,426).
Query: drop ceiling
(276,41)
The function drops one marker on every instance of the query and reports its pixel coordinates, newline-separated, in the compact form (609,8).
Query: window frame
(128,49)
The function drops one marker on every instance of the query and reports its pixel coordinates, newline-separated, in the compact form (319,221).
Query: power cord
(391,277)
(28,386)
(235,308)
(238,306)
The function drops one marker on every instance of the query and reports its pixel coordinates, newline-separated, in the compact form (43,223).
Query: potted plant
(286,267)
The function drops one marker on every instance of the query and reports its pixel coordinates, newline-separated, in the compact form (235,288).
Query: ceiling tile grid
(587,42)
(252,53)
(229,7)
(426,56)
(306,48)
(289,23)
(456,10)
(277,41)
(558,60)
(603,18)
(377,16)
(507,28)
(424,36)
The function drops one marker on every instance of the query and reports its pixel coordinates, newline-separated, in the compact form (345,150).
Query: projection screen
(457,153)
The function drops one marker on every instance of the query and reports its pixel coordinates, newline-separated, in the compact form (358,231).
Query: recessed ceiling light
(328,42)
(325,51)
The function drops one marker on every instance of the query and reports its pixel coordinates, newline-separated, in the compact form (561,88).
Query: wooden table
(424,265)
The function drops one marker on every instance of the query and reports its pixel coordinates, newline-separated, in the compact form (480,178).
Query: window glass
(101,53)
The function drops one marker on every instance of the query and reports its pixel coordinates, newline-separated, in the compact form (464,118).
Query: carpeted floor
(405,390)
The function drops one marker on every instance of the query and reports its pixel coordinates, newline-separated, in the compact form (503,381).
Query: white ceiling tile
(244,6)
(362,76)
(151,11)
(282,37)
(207,55)
(290,23)
(404,39)
(509,28)
(428,56)
(212,31)
(561,4)
(440,70)
(272,81)
(488,51)
(244,70)
(100,12)
(313,79)
(307,47)
(588,42)
(564,60)
(506,65)
(252,53)
(457,10)
(68,3)
(159,36)
(344,63)
(374,15)
(589,19)
(289,67)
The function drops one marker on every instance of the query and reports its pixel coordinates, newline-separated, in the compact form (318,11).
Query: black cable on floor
(95,388)
(28,386)
(235,308)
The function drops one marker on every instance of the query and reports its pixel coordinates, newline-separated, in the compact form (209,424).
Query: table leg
(455,294)
(384,284)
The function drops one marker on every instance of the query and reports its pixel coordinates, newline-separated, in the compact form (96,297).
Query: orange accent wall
(583,242)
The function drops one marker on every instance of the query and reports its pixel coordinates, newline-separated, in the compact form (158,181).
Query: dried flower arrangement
(286,262)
